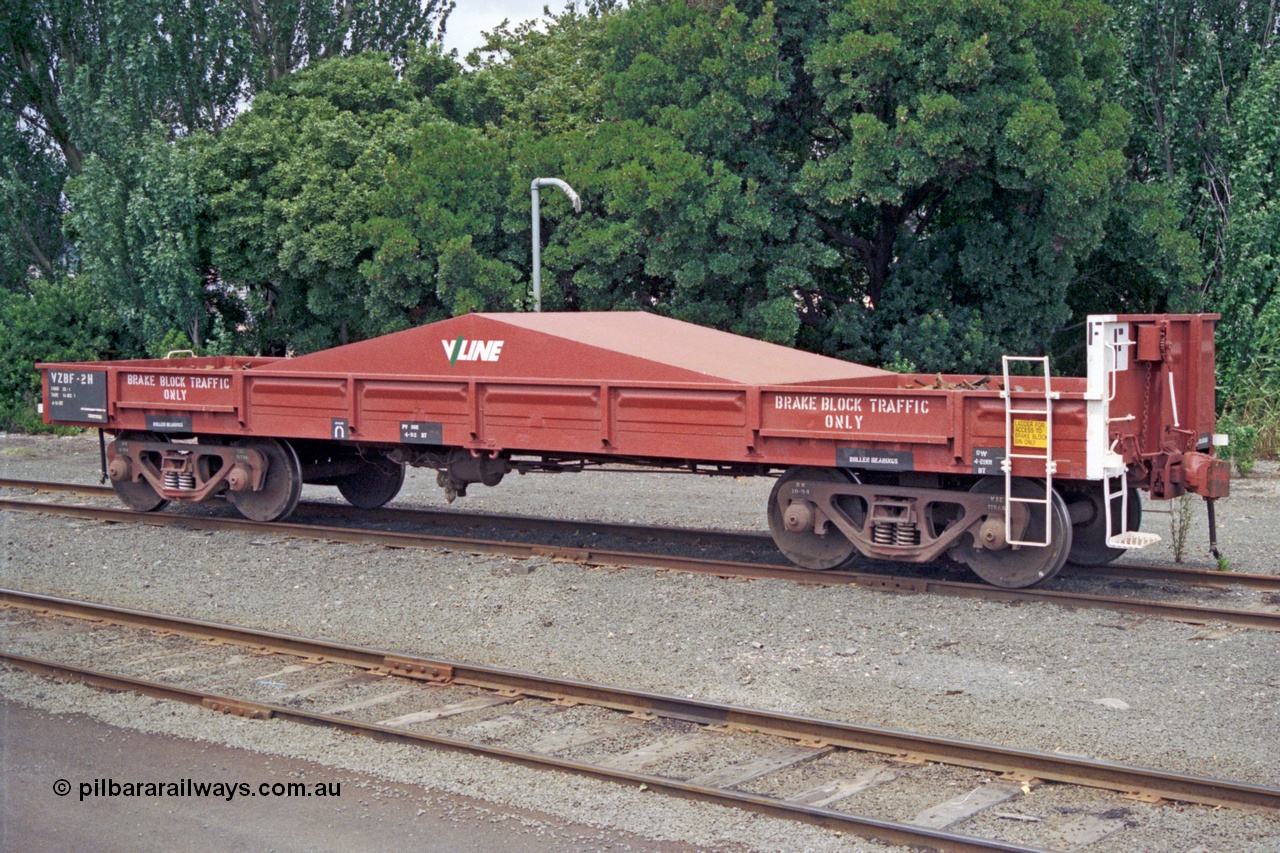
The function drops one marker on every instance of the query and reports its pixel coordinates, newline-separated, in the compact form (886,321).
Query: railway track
(1265,616)
(762,542)
(823,772)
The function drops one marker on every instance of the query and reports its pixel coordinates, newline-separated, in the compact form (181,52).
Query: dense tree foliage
(81,79)
(1187,64)
(969,157)
(437,231)
(1201,82)
(927,184)
(290,185)
(867,178)
(62,320)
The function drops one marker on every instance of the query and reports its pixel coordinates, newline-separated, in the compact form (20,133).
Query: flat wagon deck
(998,471)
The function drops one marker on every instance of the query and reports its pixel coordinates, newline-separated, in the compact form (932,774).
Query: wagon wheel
(377,481)
(1089,539)
(281,486)
(137,494)
(805,548)
(1014,568)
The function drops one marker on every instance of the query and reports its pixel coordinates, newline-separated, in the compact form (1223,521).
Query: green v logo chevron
(464,350)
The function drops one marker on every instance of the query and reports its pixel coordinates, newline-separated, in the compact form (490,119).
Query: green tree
(282,36)
(291,184)
(140,226)
(30,207)
(965,155)
(543,77)
(80,79)
(1249,335)
(1201,83)
(699,163)
(1187,63)
(860,177)
(652,114)
(53,320)
(36,146)
(440,248)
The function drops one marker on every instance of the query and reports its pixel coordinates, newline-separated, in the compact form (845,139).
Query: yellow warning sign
(1031,433)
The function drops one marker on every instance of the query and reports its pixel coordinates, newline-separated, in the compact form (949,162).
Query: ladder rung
(1133,539)
(1047,396)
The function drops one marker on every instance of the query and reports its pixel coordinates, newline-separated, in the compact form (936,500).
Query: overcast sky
(471,17)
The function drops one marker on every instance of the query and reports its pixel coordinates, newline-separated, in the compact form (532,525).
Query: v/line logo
(464,350)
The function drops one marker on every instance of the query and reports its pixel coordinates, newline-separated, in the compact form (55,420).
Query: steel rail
(881,830)
(1193,613)
(1191,577)
(50,486)
(1048,766)
(400,515)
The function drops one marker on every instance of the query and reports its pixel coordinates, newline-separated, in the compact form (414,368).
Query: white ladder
(1118,359)
(1050,466)
(1125,538)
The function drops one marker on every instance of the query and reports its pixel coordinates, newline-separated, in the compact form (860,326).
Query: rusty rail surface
(694,536)
(462,518)
(988,757)
(1192,613)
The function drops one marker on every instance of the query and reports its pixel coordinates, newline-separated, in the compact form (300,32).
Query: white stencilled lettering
(787,402)
(899,406)
(460,349)
(841,404)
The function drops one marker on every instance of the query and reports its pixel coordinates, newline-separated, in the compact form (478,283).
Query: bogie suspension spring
(899,533)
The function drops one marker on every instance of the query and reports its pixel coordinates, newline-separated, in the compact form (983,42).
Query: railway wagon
(1012,474)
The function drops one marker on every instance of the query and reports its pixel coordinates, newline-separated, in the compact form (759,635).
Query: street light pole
(536,187)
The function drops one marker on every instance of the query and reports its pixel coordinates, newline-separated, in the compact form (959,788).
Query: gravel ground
(1191,699)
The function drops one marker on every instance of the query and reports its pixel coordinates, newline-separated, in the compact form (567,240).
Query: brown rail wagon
(1012,474)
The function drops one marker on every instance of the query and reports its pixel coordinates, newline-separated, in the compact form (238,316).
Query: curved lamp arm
(536,188)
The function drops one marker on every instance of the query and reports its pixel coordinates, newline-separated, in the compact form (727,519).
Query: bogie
(821,518)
